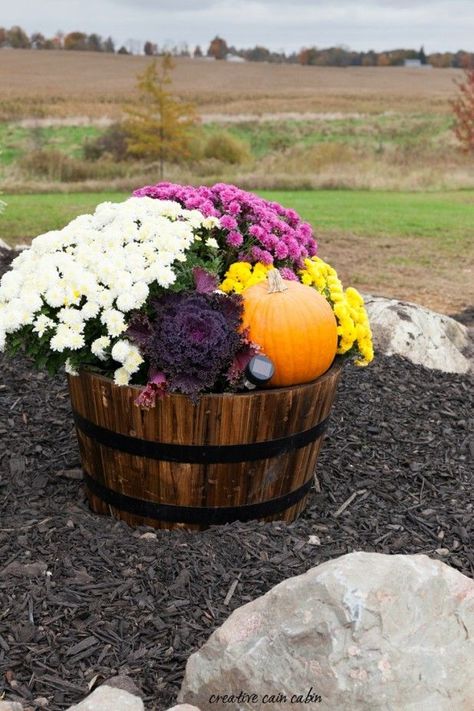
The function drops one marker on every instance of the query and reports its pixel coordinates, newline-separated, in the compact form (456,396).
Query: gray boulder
(11,706)
(123,682)
(365,632)
(108,698)
(423,336)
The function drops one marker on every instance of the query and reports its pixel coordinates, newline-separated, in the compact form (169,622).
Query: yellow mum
(353,323)
(241,275)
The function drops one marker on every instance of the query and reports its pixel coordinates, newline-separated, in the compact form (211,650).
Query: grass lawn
(443,217)
(370,133)
(26,216)
(382,152)
(16,141)
(416,246)
(373,133)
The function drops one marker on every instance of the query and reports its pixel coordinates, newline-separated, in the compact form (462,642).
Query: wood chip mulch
(84,596)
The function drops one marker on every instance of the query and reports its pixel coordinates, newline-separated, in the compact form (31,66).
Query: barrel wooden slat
(241,419)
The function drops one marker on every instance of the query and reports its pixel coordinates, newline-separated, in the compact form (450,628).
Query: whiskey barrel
(230,457)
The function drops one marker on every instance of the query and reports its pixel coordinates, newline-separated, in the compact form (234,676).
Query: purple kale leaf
(205,282)
(194,339)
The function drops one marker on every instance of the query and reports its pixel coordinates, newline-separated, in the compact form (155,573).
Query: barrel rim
(333,370)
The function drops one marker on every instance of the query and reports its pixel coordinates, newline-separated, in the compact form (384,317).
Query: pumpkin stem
(275,282)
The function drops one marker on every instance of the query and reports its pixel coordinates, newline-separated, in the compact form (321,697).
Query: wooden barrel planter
(231,457)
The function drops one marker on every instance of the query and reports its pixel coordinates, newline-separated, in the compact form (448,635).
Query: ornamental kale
(250,228)
(193,344)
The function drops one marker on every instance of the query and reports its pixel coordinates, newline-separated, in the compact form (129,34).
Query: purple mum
(258,230)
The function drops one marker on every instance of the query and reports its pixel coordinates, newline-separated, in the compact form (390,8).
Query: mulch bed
(83,595)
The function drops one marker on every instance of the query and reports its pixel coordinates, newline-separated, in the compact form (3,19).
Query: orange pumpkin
(294,326)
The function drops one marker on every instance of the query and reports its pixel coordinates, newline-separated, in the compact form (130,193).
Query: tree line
(17,38)
(341,56)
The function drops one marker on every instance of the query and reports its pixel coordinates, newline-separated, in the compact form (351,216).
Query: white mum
(69,368)
(66,338)
(121,377)
(42,324)
(128,355)
(99,347)
(212,243)
(120,351)
(114,321)
(77,285)
(133,361)
(134,298)
(72,317)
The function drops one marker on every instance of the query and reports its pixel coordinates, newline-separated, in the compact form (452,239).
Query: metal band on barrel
(199,454)
(206,515)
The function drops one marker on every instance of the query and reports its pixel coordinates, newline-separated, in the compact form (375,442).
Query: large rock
(11,706)
(365,631)
(121,681)
(108,698)
(423,336)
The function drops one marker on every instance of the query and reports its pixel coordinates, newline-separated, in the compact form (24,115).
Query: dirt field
(415,277)
(52,83)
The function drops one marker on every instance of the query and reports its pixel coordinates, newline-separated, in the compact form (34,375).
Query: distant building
(234,58)
(416,64)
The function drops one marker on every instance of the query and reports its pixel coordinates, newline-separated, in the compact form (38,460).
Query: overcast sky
(277,24)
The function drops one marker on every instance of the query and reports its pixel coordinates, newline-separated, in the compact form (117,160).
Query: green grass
(446,218)
(367,133)
(26,216)
(373,133)
(69,139)
(15,140)
(382,152)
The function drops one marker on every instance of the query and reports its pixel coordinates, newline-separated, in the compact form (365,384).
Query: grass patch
(29,215)
(69,139)
(16,140)
(263,138)
(400,152)
(444,217)
(374,133)
(13,142)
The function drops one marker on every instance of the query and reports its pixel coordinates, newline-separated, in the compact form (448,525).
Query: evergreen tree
(109,45)
(161,127)
(94,43)
(38,40)
(149,49)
